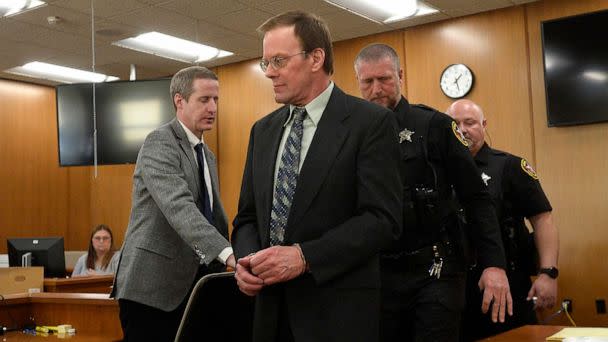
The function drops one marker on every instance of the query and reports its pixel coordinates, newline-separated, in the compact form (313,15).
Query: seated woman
(102,258)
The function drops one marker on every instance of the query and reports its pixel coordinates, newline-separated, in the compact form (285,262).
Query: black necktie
(206,210)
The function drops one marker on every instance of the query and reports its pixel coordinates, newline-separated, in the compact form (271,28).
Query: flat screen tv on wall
(575,56)
(75,124)
(126,111)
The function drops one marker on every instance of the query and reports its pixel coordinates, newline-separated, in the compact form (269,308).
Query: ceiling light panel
(383,11)
(163,45)
(14,7)
(59,73)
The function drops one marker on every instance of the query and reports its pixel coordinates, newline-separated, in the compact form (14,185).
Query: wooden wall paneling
(111,200)
(211,136)
(493,45)
(247,97)
(33,200)
(573,166)
(79,207)
(346,51)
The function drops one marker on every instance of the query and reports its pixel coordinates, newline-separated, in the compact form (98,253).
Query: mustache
(377,98)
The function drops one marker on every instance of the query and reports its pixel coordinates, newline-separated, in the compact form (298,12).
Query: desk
(89,284)
(527,333)
(17,336)
(91,314)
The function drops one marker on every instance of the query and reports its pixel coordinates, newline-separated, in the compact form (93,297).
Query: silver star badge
(485,178)
(406,134)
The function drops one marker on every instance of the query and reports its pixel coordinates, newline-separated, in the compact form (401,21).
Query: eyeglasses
(101,238)
(277,62)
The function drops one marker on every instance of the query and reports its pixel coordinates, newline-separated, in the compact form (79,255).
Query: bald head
(471,122)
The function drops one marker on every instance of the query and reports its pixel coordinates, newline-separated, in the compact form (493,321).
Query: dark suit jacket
(167,235)
(346,208)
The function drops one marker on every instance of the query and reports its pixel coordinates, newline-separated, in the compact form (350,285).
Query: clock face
(456,81)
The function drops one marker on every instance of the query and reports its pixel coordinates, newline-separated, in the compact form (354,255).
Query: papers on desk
(580,335)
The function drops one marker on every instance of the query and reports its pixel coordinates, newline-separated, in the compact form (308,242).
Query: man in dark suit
(321,196)
(178,228)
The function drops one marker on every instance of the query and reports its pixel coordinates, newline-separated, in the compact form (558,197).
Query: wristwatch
(550,271)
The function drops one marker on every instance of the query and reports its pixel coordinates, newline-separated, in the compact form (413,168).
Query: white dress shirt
(314,112)
(194,140)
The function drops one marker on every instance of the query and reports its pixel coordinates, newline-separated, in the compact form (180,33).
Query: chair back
(217,311)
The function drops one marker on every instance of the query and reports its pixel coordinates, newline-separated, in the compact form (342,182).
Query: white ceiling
(226,24)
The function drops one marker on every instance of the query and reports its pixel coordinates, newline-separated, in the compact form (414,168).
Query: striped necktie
(287,178)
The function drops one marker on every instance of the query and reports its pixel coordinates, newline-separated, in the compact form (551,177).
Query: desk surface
(61,298)
(88,284)
(528,333)
(17,336)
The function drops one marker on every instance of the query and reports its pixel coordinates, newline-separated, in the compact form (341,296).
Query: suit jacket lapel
(326,144)
(265,164)
(187,150)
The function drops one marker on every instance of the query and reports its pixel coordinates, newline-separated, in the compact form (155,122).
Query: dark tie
(287,178)
(206,210)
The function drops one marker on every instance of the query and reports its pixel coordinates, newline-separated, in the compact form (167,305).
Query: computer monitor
(45,251)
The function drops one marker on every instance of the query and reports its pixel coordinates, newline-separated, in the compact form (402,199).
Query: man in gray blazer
(178,228)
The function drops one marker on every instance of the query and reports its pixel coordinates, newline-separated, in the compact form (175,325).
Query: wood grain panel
(88,284)
(33,200)
(528,333)
(573,165)
(111,200)
(493,45)
(247,97)
(346,51)
(79,207)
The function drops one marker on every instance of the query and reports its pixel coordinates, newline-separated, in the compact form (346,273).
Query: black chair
(217,311)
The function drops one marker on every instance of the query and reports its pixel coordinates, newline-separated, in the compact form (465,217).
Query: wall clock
(456,81)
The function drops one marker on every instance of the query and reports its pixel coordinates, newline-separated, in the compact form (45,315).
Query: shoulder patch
(528,168)
(459,134)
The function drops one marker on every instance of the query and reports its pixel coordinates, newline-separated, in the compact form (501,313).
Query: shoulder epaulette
(499,152)
(424,107)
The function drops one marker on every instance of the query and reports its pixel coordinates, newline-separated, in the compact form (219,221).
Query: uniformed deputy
(516,193)
(423,276)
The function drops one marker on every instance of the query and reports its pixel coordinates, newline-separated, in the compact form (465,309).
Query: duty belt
(431,256)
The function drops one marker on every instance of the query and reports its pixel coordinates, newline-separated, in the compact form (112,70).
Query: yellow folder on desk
(579,334)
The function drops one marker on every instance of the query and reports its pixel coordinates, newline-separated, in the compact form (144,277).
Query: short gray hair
(181,83)
(376,52)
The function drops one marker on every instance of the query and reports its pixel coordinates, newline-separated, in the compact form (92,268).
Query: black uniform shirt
(454,168)
(512,182)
